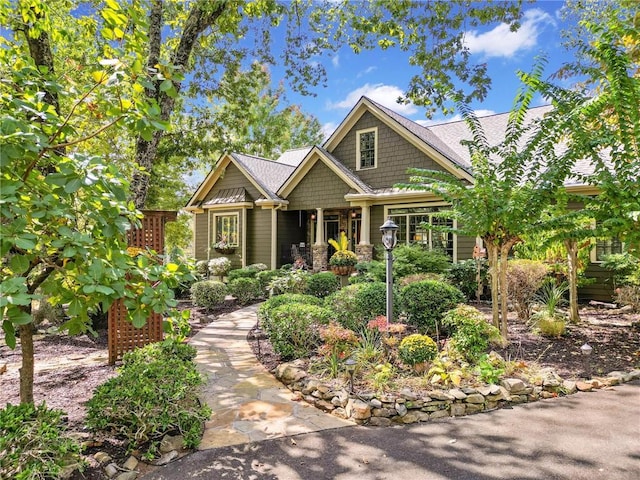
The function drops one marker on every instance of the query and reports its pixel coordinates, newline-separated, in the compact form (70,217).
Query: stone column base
(364,253)
(320,261)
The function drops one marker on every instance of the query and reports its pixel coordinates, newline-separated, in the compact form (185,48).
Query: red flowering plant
(339,343)
(391,332)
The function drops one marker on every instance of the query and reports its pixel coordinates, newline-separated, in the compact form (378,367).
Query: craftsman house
(256,210)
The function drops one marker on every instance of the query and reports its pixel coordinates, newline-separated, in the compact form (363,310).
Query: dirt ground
(68,369)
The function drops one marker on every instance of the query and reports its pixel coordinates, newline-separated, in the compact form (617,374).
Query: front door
(331,230)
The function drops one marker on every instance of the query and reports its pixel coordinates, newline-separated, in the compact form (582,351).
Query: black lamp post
(389,239)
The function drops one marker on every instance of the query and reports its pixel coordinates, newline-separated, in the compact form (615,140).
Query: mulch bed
(614,336)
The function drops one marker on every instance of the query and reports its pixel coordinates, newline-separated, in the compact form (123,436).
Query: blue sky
(384,75)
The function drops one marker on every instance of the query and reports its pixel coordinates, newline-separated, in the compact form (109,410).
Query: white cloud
(335,61)
(366,71)
(501,42)
(456,118)
(328,128)
(385,95)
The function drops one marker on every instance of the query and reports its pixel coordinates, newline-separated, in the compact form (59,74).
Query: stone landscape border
(405,406)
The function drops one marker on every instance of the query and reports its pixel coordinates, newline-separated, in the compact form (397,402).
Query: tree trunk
(27,368)
(494,268)
(504,290)
(200,18)
(572,263)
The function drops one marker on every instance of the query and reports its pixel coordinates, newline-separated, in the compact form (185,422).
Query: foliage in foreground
(33,444)
(154,394)
(426,302)
(471,333)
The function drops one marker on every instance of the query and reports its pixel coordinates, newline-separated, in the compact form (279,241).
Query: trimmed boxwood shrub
(264,310)
(426,302)
(33,444)
(245,272)
(322,284)
(293,329)
(470,332)
(246,290)
(208,293)
(155,393)
(371,301)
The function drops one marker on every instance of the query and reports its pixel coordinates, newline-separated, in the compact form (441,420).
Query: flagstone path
(248,404)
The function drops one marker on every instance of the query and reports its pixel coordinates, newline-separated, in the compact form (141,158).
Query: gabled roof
(230,195)
(268,174)
(419,136)
(320,154)
(294,157)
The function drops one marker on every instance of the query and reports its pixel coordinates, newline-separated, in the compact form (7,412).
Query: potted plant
(343,261)
(222,246)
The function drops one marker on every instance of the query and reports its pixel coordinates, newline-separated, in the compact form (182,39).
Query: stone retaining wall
(408,407)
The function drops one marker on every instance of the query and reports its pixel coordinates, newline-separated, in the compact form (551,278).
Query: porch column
(364,250)
(365,225)
(319,226)
(274,238)
(319,249)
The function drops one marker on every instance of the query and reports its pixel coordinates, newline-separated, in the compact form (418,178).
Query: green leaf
(19,317)
(25,243)
(19,264)
(166,85)
(9,333)
(73,185)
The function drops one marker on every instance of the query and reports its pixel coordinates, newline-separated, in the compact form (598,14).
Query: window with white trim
(412,223)
(366,148)
(225,229)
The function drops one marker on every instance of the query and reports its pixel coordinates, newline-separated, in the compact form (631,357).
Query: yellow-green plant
(342,244)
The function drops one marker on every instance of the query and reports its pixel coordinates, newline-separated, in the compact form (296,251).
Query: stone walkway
(248,403)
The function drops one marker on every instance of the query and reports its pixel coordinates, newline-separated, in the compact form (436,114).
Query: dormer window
(367,148)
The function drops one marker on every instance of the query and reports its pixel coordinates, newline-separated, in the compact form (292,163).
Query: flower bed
(406,406)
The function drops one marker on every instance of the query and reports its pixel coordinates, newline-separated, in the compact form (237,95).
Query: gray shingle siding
(259,236)
(394,155)
(321,187)
(233,178)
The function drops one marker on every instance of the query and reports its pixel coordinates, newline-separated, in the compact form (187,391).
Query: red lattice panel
(123,336)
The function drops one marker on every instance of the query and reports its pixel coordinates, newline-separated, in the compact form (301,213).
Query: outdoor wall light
(586,350)
(389,239)
(350,365)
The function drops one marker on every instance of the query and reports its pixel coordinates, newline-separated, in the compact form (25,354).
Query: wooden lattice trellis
(123,336)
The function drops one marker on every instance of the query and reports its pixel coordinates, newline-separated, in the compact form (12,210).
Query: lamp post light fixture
(257,334)
(350,365)
(586,350)
(389,239)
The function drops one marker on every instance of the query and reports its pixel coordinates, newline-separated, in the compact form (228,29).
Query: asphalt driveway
(585,436)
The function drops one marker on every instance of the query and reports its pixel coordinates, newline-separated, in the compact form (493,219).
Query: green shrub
(463,276)
(208,293)
(625,268)
(410,259)
(202,269)
(343,305)
(524,279)
(258,267)
(293,329)
(416,348)
(156,392)
(264,310)
(265,277)
(628,295)
(426,302)
(322,284)
(470,332)
(33,444)
(373,271)
(245,272)
(246,290)
(371,301)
